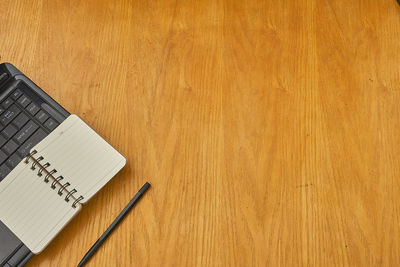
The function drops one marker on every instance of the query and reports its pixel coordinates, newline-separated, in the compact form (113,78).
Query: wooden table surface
(270,130)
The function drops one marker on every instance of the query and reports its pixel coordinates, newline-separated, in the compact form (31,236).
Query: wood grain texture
(270,130)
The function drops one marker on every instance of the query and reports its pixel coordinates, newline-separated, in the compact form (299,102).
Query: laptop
(27,115)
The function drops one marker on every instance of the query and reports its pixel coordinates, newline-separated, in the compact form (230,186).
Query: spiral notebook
(47,188)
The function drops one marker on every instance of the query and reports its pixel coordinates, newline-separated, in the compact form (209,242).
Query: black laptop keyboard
(23,124)
(27,115)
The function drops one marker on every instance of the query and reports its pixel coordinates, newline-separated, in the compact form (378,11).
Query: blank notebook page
(35,212)
(81,156)
(31,210)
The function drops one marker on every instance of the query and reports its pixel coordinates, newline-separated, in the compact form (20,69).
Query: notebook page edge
(114,171)
(45,241)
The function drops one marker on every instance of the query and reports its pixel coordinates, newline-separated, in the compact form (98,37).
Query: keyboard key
(3,77)
(13,161)
(15,109)
(31,142)
(50,124)
(24,101)
(20,120)
(25,132)
(42,116)
(17,93)
(10,147)
(19,255)
(9,131)
(3,156)
(52,112)
(9,115)
(2,140)
(32,109)
(4,171)
(9,244)
(6,103)
(1,110)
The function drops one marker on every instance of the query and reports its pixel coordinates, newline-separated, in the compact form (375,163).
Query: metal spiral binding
(56,181)
(40,172)
(73,191)
(50,175)
(36,162)
(29,156)
(62,188)
(46,178)
(77,201)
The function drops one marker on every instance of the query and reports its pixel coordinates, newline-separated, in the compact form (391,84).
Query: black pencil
(117,220)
